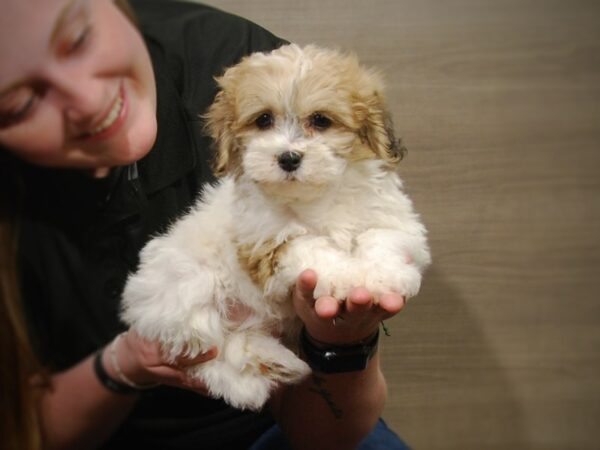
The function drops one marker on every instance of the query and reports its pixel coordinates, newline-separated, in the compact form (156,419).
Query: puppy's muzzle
(289,161)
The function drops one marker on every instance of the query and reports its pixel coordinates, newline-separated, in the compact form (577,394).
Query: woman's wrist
(120,374)
(338,358)
(339,334)
(128,368)
(105,378)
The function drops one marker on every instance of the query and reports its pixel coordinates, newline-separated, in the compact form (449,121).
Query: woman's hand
(144,363)
(334,321)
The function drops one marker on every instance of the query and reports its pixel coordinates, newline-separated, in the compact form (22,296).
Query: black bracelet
(106,380)
(338,358)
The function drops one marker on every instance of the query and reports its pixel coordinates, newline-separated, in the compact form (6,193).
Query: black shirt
(81,237)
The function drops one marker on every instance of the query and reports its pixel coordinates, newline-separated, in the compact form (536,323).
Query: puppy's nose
(289,161)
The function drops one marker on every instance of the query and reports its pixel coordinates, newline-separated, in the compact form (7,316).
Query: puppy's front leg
(392,260)
(336,270)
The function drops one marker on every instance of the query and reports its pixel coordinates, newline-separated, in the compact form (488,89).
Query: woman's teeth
(112,116)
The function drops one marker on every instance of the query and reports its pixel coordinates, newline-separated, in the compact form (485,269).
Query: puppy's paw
(268,358)
(247,369)
(242,390)
(404,280)
(331,265)
(336,285)
(201,329)
(288,369)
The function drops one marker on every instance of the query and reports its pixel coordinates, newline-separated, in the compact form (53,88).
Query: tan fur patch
(360,152)
(261,262)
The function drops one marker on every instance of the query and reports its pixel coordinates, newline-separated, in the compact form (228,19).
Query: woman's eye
(81,39)
(320,121)
(77,42)
(264,121)
(16,108)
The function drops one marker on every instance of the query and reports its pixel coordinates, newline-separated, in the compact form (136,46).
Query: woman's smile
(111,121)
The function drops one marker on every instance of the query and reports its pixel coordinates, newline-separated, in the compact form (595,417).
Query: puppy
(306,158)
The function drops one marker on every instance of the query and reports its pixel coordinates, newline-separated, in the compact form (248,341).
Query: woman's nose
(84,105)
(83,98)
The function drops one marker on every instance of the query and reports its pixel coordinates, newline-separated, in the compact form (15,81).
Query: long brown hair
(19,425)
(126,8)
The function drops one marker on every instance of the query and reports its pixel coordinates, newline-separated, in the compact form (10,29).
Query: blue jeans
(381,438)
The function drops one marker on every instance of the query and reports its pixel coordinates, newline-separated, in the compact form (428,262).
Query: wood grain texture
(499,105)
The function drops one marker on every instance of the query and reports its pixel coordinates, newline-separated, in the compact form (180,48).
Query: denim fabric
(381,438)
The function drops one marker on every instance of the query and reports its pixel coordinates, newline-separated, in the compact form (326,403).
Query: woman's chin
(100,172)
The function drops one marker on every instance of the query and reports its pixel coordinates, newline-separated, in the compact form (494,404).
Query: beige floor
(499,104)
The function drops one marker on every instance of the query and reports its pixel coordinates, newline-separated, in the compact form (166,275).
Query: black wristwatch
(326,358)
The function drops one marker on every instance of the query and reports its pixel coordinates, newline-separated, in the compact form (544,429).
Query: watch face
(329,355)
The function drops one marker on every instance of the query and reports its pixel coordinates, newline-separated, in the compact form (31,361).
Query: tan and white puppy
(307,162)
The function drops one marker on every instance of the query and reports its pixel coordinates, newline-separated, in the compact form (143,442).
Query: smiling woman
(85,91)
(53,106)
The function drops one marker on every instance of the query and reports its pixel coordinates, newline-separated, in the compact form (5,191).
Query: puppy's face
(294,119)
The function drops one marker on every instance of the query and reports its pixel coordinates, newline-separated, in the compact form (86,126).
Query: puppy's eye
(320,122)
(264,121)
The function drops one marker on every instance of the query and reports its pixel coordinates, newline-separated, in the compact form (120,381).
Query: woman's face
(77,88)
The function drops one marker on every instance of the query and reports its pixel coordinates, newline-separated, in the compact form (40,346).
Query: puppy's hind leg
(248,368)
(171,298)
(275,361)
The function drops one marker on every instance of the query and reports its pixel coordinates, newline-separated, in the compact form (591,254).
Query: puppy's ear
(378,130)
(218,124)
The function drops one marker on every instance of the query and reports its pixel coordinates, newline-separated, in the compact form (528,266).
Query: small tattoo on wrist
(320,389)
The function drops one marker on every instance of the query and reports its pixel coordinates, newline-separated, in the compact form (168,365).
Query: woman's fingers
(172,376)
(184,361)
(391,304)
(327,307)
(359,300)
(305,286)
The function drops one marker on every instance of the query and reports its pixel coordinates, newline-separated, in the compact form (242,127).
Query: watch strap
(328,358)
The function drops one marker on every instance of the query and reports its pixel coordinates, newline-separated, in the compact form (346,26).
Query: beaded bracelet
(124,385)
(117,367)
(106,380)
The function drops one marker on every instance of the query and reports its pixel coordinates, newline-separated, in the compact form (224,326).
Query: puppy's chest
(262,244)
(261,262)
